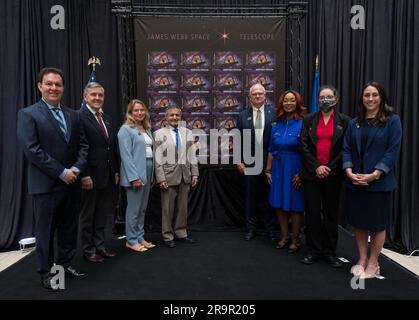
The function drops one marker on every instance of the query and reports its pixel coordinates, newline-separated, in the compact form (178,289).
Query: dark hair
(330,87)
(384,111)
(300,110)
(49,70)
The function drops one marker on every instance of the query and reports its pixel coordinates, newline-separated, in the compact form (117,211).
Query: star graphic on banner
(224,36)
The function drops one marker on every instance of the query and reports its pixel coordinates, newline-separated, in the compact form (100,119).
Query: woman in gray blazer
(136,174)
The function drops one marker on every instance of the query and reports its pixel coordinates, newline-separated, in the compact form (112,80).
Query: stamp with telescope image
(224,121)
(195,61)
(228,61)
(228,102)
(194,121)
(162,82)
(225,82)
(266,79)
(160,102)
(194,82)
(158,121)
(196,103)
(162,61)
(260,60)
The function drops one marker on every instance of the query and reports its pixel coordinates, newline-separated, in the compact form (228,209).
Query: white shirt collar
(93,111)
(262,108)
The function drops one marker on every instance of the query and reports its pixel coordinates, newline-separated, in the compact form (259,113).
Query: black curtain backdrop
(28,43)
(386,51)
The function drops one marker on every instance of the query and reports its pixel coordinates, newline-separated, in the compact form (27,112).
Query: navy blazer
(245,121)
(103,158)
(48,151)
(381,152)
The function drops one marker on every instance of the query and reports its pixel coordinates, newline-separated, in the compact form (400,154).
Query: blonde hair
(129,119)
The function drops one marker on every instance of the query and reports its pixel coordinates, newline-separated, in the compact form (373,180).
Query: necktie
(61,121)
(258,125)
(176,130)
(102,126)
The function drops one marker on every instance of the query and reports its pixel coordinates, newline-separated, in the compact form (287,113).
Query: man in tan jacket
(176,172)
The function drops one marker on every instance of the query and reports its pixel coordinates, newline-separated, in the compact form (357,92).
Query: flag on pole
(314,107)
(93,61)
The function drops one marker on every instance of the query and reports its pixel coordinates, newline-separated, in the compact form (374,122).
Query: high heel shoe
(294,247)
(282,243)
(371,273)
(359,269)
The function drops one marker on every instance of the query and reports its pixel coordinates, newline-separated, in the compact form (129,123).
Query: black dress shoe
(93,257)
(170,244)
(186,239)
(46,282)
(73,273)
(333,261)
(249,235)
(106,253)
(309,259)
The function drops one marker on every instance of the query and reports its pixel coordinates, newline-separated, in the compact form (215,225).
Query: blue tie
(176,130)
(61,121)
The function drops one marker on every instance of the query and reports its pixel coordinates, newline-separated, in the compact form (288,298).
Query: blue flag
(314,107)
(91,79)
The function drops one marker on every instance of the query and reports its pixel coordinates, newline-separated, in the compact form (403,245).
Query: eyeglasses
(326,97)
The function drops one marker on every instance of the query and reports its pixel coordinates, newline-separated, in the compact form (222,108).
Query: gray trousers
(137,201)
(174,203)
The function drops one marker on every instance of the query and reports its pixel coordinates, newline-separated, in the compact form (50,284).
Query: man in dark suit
(54,144)
(256,120)
(101,175)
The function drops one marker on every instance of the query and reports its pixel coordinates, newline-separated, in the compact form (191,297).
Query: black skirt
(367,210)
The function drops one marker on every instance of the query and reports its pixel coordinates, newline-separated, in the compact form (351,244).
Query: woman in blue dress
(283,164)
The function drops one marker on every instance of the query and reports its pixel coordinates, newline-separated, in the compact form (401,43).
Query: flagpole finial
(317,62)
(93,61)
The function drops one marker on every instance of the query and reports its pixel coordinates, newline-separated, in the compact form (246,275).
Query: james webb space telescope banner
(206,66)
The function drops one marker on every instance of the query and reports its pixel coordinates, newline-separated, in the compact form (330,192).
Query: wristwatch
(376,175)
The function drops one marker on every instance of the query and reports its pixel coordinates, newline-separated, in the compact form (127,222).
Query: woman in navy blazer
(370,149)
(136,150)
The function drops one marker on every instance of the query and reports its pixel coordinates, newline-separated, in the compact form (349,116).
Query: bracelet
(267,171)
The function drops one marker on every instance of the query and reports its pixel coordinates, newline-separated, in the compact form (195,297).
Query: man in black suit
(54,144)
(101,176)
(256,120)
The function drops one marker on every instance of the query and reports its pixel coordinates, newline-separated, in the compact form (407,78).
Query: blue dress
(284,147)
